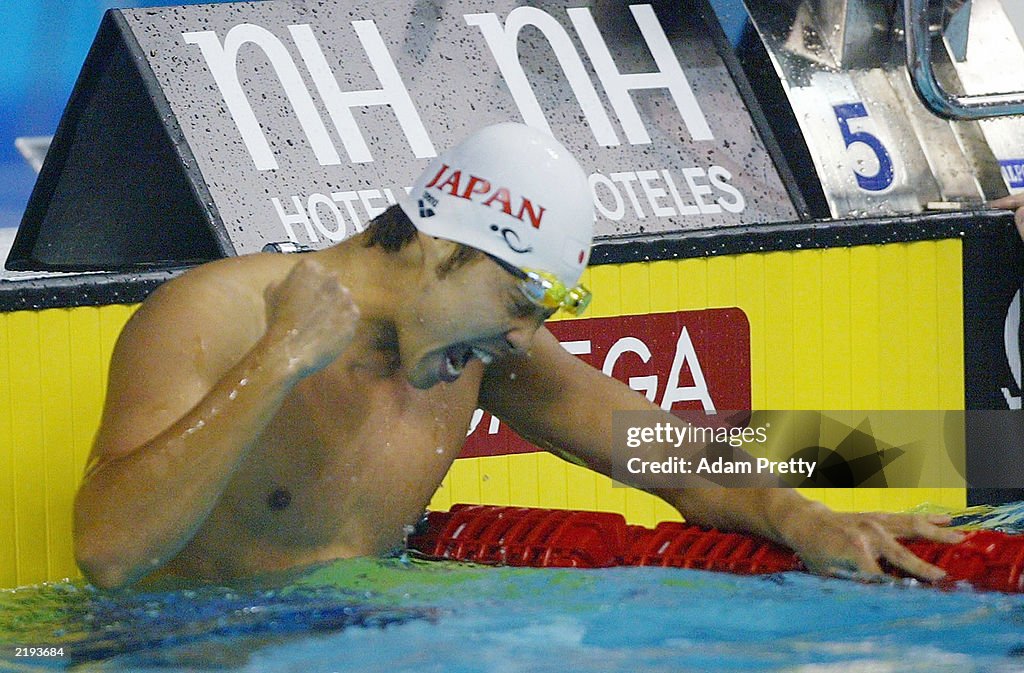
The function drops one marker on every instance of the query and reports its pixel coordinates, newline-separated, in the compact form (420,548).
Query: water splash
(1008,518)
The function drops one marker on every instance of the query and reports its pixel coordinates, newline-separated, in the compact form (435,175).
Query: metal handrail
(934,97)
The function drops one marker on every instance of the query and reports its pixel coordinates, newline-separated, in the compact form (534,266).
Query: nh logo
(222,60)
(502,39)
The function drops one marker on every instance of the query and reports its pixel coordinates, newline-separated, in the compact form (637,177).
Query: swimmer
(269,411)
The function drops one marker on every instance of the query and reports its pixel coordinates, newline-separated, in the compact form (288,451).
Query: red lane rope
(553,538)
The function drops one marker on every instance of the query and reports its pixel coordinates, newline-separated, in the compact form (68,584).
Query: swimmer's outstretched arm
(559,401)
(195,377)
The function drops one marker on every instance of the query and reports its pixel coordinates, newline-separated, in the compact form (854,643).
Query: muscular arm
(565,405)
(194,379)
(561,403)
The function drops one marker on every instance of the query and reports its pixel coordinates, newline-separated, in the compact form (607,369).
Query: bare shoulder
(220,299)
(185,335)
(238,276)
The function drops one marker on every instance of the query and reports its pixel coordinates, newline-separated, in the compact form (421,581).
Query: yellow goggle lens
(544,289)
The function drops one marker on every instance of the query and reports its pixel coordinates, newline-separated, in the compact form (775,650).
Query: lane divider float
(554,538)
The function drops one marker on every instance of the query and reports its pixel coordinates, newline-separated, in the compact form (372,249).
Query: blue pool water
(406,615)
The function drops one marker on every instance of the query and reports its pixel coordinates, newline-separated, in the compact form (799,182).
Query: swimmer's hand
(1013,202)
(841,543)
(311,317)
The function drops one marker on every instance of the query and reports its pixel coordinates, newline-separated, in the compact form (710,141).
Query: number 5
(881,179)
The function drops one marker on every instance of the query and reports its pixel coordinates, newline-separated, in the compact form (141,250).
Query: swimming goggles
(543,289)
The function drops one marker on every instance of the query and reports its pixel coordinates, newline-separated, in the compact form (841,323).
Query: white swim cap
(513,192)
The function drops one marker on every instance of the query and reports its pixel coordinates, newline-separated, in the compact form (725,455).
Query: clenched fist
(310,316)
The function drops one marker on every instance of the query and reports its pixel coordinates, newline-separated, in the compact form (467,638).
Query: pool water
(407,615)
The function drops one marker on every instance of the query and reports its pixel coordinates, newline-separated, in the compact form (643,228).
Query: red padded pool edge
(553,538)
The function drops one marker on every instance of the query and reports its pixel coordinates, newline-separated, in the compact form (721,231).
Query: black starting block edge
(992,230)
(84,289)
(981,224)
